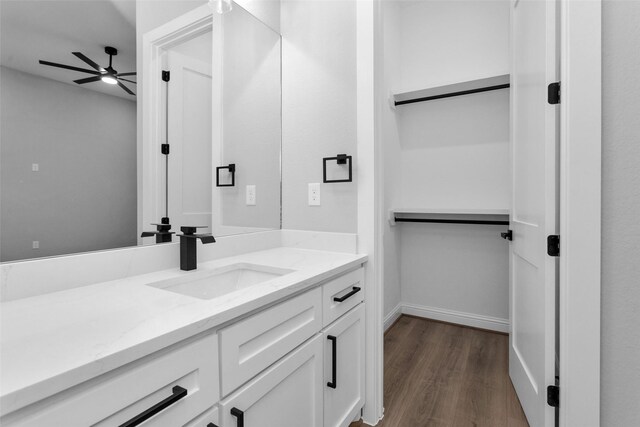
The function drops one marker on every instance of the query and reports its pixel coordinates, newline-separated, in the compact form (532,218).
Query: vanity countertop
(51,342)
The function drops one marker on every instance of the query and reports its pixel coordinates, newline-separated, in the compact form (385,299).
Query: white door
(289,394)
(344,374)
(533,210)
(190,130)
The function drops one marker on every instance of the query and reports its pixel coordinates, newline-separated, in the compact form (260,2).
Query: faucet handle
(191,229)
(162,227)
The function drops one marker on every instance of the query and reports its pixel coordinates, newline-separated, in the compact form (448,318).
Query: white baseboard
(390,318)
(457,317)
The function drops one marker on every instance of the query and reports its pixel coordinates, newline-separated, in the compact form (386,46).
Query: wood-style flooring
(439,374)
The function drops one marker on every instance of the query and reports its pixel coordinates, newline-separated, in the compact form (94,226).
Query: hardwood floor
(438,374)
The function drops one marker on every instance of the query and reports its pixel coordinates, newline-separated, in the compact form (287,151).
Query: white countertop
(54,341)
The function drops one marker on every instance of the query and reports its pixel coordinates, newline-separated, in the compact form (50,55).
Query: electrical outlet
(251,195)
(314,194)
(35,167)
(36,244)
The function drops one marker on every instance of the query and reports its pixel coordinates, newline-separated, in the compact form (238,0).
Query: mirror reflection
(73,174)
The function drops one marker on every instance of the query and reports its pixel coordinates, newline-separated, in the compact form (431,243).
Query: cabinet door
(289,394)
(344,368)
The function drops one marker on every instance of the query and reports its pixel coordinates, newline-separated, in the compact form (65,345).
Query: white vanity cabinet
(344,368)
(253,344)
(168,389)
(289,394)
(318,376)
(297,363)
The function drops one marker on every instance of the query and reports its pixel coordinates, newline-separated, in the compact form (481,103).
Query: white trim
(458,317)
(580,205)
(371,215)
(391,318)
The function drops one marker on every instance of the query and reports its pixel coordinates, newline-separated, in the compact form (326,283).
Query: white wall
(620,352)
(449,153)
(446,41)
(319,110)
(84,196)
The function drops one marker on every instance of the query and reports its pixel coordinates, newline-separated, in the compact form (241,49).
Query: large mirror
(76,175)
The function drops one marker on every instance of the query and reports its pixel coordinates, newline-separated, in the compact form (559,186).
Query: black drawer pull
(211,425)
(334,356)
(354,291)
(178,393)
(239,415)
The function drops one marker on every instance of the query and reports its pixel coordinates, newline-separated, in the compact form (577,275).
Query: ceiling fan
(107,75)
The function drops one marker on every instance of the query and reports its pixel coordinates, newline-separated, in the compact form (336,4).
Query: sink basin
(213,283)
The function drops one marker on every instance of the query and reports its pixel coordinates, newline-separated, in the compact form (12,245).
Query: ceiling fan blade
(88,80)
(126,80)
(68,67)
(88,61)
(133,73)
(126,89)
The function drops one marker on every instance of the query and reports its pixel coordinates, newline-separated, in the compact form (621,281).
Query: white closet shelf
(456,89)
(451,216)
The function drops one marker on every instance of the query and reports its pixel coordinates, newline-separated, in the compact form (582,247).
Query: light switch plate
(314,194)
(251,195)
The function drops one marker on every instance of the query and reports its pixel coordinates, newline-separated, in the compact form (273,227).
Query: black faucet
(188,256)
(162,233)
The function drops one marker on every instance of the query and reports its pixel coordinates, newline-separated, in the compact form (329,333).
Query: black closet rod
(452,221)
(451,94)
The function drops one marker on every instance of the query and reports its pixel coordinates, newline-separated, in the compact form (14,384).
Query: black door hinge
(553,396)
(164,149)
(553,245)
(508,235)
(166,76)
(553,93)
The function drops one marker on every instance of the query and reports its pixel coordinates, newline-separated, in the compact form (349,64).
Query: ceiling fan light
(109,80)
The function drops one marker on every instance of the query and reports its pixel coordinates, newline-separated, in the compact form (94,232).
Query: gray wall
(318,111)
(620,383)
(251,121)
(84,196)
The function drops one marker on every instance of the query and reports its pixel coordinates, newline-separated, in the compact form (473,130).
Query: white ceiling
(50,30)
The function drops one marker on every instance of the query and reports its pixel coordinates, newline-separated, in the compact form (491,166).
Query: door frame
(580,211)
(371,215)
(150,162)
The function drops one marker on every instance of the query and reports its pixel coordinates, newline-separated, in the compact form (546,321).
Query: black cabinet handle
(354,291)
(178,393)
(334,356)
(211,425)
(239,415)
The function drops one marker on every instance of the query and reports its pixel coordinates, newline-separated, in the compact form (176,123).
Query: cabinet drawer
(208,419)
(121,397)
(341,295)
(251,345)
(288,394)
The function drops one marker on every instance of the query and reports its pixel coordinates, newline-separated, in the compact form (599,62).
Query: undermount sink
(213,283)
